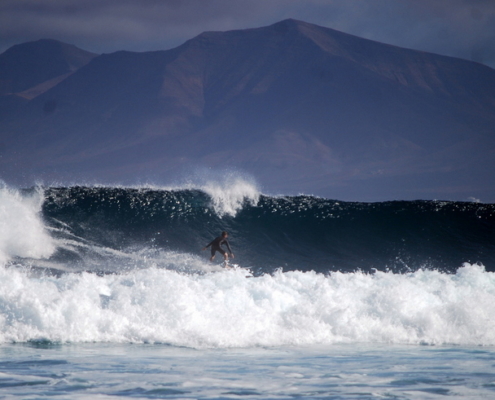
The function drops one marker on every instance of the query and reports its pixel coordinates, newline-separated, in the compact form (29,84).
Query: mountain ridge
(26,65)
(32,68)
(301,107)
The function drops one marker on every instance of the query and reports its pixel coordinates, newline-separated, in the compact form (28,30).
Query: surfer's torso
(216,244)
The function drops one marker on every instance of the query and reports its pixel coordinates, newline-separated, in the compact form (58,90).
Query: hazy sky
(461,28)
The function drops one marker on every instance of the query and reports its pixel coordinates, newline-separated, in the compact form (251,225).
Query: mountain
(30,69)
(301,107)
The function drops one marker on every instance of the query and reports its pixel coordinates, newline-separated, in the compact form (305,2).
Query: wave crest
(231,194)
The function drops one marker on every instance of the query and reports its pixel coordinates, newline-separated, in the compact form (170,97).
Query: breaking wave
(112,264)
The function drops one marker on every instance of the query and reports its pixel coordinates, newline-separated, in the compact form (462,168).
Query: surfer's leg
(225,257)
(212,254)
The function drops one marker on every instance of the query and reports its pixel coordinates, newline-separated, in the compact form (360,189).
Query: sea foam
(229,190)
(229,196)
(226,309)
(22,233)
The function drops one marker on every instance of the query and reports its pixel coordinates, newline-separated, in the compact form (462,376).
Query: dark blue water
(266,233)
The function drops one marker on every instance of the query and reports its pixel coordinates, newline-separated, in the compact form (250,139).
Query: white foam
(224,309)
(229,190)
(230,195)
(22,233)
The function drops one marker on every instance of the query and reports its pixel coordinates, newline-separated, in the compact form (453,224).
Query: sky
(459,28)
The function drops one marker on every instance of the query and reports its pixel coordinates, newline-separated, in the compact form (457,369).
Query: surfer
(216,245)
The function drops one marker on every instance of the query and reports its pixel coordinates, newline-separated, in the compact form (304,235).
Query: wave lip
(231,195)
(221,310)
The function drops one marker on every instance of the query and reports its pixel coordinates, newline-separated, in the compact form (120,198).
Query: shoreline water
(92,370)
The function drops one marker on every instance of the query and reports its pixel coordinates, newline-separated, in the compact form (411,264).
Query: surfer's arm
(228,247)
(208,245)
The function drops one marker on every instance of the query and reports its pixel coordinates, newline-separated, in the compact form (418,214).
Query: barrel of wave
(22,232)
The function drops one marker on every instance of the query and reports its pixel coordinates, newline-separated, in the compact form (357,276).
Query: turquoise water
(357,371)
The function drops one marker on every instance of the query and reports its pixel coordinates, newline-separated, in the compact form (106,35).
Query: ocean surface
(105,293)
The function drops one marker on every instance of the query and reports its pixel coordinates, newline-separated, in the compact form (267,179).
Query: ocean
(105,293)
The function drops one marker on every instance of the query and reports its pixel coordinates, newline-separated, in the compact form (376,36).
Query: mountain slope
(303,108)
(30,69)
(27,65)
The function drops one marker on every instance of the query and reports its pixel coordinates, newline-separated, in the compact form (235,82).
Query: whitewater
(104,292)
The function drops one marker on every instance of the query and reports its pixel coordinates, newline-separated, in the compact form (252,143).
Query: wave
(115,264)
(229,194)
(224,309)
(116,229)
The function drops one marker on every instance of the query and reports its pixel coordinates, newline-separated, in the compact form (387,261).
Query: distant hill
(301,107)
(29,64)
(29,69)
